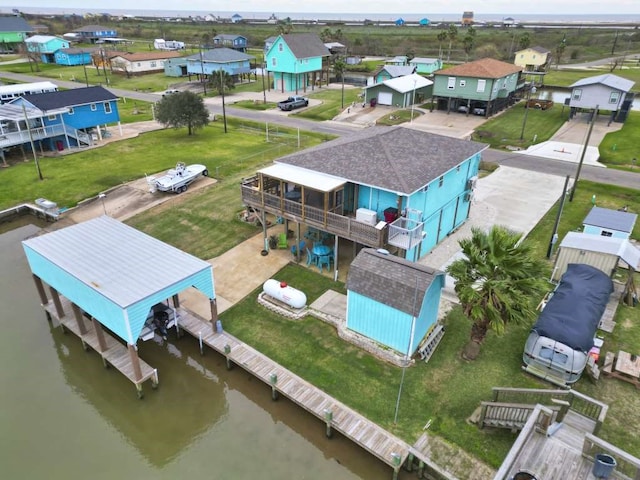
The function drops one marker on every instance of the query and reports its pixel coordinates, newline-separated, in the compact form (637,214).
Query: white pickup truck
(293,102)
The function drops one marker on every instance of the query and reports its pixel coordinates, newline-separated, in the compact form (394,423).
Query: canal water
(63,415)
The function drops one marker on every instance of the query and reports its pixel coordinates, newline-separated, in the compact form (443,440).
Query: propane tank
(283,292)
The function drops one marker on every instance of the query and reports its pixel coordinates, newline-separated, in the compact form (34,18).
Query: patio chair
(282,241)
(294,248)
(311,258)
(324,260)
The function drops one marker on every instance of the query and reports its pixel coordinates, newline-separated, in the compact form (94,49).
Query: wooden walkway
(115,354)
(373,438)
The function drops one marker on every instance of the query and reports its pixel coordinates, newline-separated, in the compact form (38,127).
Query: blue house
(426,65)
(609,223)
(395,188)
(424,22)
(215,60)
(296,61)
(75,116)
(400,22)
(73,56)
(236,42)
(391,300)
(46,46)
(93,33)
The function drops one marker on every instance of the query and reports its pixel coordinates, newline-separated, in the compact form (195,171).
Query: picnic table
(626,367)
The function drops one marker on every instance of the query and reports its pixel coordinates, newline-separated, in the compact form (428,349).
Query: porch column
(326,207)
(135,361)
(102,343)
(56,302)
(298,242)
(78,314)
(64,129)
(176,301)
(40,288)
(335,259)
(264,230)
(213,306)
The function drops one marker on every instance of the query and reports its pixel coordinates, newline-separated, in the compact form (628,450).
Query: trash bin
(603,465)
(373,102)
(390,214)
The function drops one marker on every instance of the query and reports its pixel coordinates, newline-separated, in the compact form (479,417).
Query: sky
(507,7)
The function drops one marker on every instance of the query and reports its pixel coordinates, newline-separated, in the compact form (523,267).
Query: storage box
(364,215)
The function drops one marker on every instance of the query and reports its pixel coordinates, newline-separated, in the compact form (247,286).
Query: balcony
(406,233)
(328,221)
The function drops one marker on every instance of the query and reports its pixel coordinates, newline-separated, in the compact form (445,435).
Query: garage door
(385,98)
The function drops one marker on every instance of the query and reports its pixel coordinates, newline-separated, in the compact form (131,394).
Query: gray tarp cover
(572,314)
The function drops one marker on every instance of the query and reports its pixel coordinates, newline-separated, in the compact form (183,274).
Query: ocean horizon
(345,17)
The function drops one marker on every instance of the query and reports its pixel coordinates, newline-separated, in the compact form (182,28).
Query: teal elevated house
(484,87)
(426,65)
(45,46)
(393,301)
(297,62)
(387,72)
(13,31)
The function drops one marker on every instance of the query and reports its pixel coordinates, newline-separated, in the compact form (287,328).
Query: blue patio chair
(294,249)
(324,260)
(311,258)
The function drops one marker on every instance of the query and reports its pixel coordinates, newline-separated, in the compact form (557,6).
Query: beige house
(140,63)
(533,59)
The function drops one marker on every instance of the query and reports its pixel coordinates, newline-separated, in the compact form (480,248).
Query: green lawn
(398,116)
(564,78)
(331,103)
(620,148)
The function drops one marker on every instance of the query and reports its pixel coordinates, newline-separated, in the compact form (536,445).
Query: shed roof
(68,98)
(620,247)
(407,83)
(397,159)
(390,280)
(305,45)
(611,219)
(608,79)
(483,68)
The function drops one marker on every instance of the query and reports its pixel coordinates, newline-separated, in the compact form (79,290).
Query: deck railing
(334,223)
(626,464)
(9,139)
(505,415)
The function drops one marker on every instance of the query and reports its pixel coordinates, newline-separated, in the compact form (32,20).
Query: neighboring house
(603,253)
(297,61)
(391,300)
(67,118)
(394,188)
(424,22)
(46,46)
(235,18)
(485,84)
(400,22)
(426,65)
(509,22)
(176,67)
(74,56)
(387,72)
(162,44)
(140,62)
(268,42)
(10,92)
(399,60)
(533,59)
(93,33)
(215,60)
(13,31)
(401,92)
(235,42)
(609,223)
(336,48)
(467,18)
(605,92)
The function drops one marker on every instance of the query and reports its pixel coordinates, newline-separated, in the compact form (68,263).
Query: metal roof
(119,262)
(221,55)
(390,280)
(611,219)
(608,79)
(15,113)
(416,60)
(620,247)
(304,177)
(407,83)
(69,98)
(396,159)
(41,39)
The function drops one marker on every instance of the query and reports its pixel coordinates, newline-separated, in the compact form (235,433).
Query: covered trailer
(558,346)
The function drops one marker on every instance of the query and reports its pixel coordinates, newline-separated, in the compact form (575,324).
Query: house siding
(530,57)
(70,59)
(467,87)
(196,67)
(289,72)
(596,95)
(595,230)
(427,68)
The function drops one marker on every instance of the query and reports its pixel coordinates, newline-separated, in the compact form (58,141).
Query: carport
(113,274)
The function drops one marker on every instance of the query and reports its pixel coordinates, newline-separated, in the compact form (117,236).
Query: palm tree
(339,66)
(452,34)
(222,81)
(497,282)
(442,36)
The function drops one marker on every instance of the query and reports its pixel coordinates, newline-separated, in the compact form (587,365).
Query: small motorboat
(177,179)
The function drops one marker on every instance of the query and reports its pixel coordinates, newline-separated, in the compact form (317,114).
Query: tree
(339,66)
(560,50)
(284,26)
(182,109)
(442,36)
(524,41)
(468,41)
(221,81)
(497,282)
(452,34)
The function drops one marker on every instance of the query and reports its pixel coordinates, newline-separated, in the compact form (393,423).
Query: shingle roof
(483,68)
(611,219)
(397,159)
(221,55)
(390,280)
(305,45)
(608,79)
(142,56)
(540,49)
(69,98)
(14,24)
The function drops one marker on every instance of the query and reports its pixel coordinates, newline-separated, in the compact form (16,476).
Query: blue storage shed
(609,223)
(392,300)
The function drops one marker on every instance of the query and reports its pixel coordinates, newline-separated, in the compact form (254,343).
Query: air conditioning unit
(472,182)
(468,196)
(364,215)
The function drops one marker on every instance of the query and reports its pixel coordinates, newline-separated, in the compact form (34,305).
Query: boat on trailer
(177,179)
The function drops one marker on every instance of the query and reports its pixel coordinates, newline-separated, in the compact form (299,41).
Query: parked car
(463,109)
(170,91)
(293,102)
(479,111)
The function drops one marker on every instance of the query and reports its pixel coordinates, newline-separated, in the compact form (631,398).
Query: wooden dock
(113,352)
(337,416)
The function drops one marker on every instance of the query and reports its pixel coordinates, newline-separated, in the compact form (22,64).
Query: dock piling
(227,351)
(200,342)
(274,393)
(328,418)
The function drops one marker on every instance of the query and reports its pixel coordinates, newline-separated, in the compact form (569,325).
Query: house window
(463,83)
(280,47)
(70,110)
(606,233)
(273,62)
(481,85)
(152,64)
(615,96)
(440,181)
(93,107)
(51,117)
(107,107)
(577,93)
(451,83)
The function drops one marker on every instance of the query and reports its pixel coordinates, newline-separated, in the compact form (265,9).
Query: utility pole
(204,84)
(224,114)
(33,147)
(584,150)
(554,234)
(84,67)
